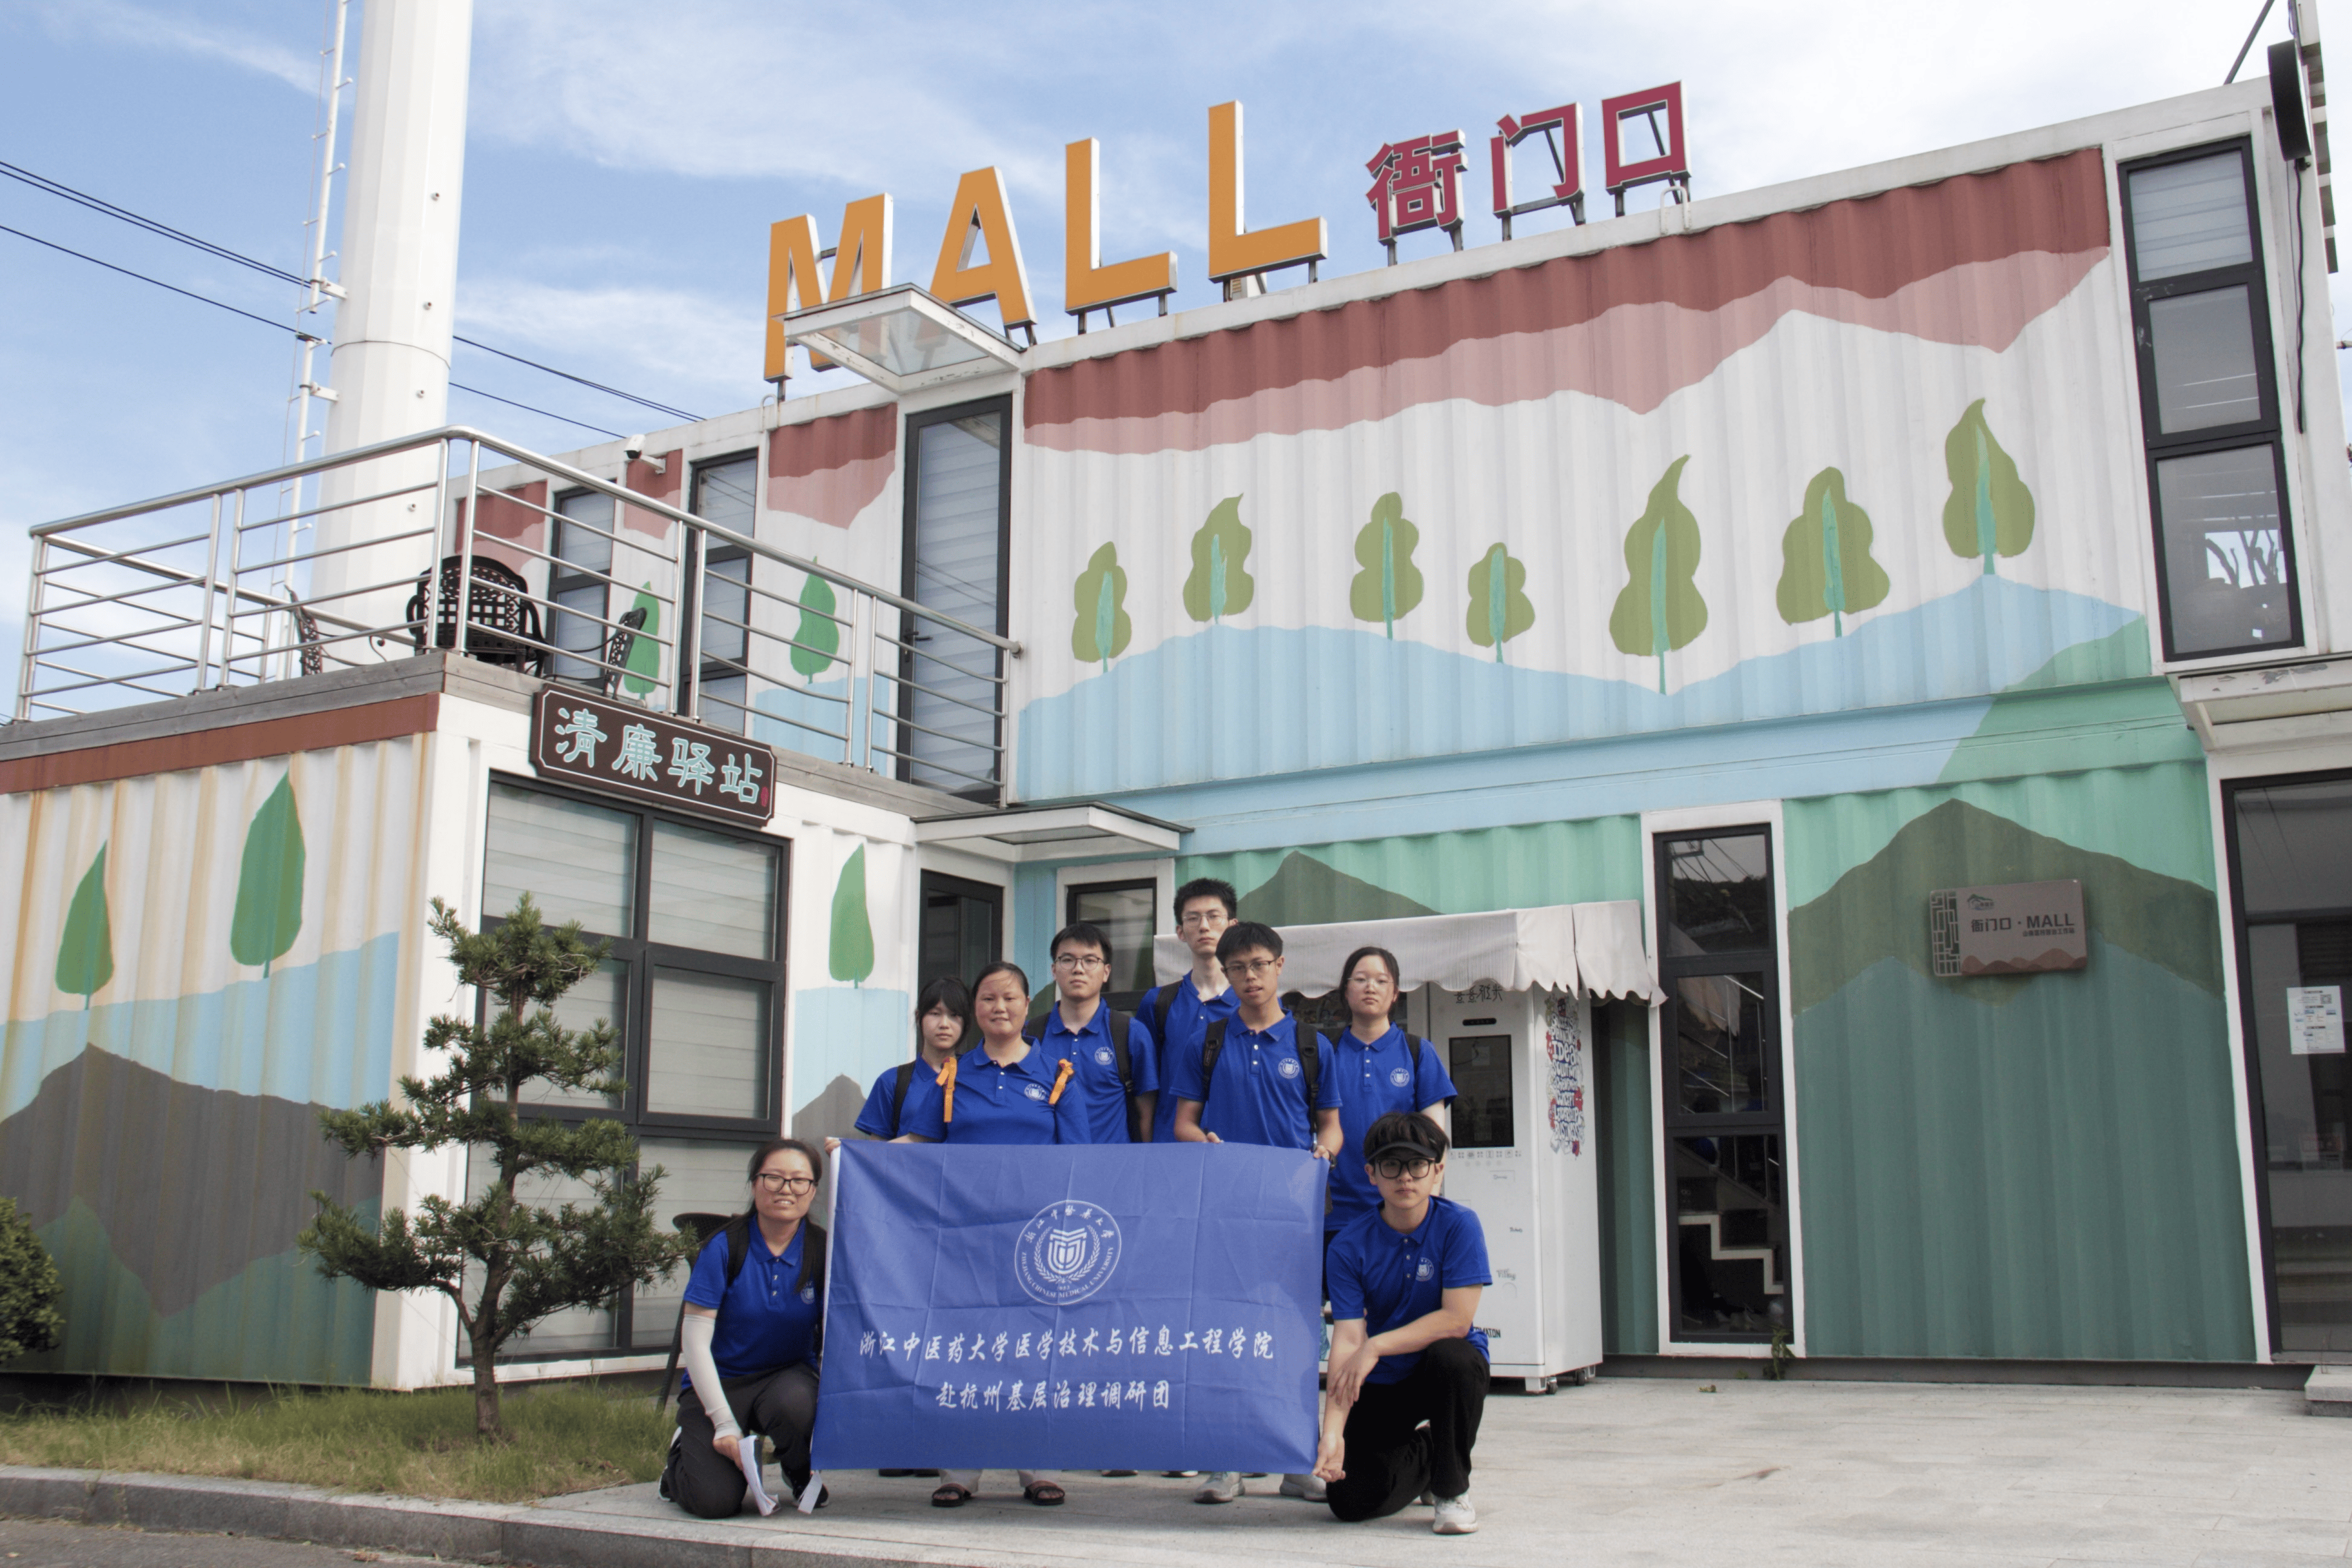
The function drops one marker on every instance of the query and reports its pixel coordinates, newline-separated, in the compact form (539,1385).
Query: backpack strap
(898,1094)
(1310,1056)
(1412,1043)
(1213,1042)
(1163,999)
(737,1232)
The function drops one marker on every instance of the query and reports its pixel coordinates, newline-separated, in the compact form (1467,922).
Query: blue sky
(624,161)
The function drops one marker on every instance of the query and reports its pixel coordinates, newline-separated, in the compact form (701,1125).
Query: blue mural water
(847,1031)
(1332,697)
(319,1033)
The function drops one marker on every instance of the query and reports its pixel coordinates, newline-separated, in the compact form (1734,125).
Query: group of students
(1212,1058)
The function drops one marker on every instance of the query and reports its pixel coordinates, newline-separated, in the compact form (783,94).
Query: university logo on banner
(1135,1305)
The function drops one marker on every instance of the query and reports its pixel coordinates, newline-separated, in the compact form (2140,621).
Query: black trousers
(1391,1458)
(779,1406)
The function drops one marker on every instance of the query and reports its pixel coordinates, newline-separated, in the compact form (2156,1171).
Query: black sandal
(1045,1494)
(951,1496)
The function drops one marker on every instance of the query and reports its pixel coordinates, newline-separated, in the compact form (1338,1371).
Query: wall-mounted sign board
(2017,927)
(623,749)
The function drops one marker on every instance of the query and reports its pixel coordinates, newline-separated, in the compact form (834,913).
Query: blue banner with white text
(1147,1307)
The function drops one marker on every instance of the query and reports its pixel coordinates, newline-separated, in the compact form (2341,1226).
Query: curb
(421,1526)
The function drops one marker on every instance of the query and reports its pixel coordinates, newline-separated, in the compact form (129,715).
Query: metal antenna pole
(316,291)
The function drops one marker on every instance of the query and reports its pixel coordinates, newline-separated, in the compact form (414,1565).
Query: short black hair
(1242,936)
(1001,966)
(1085,934)
(1409,1127)
(954,994)
(1208,888)
(775,1146)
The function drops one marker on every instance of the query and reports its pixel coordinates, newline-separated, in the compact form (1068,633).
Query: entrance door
(963,928)
(2290,861)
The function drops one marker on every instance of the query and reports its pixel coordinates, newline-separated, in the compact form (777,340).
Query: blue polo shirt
(764,1322)
(1096,1083)
(1390,1278)
(1003,1105)
(1258,1092)
(922,1089)
(1189,1018)
(1373,1080)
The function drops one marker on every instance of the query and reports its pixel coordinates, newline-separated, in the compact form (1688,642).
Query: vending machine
(1523,1158)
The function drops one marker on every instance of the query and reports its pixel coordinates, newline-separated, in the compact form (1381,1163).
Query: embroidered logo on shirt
(808,1294)
(1400,1077)
(1035,1092)
(1288,1067)
(1105,1056)
(1427,1271)
(1067,1252)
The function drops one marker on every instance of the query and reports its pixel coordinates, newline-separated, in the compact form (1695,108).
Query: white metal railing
(357,560)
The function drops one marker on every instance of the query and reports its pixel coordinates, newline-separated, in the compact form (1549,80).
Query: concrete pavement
(1634,1471)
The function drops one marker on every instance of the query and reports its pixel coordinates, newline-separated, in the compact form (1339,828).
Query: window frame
(639,956)
(698,557)
(2268,430)
(562,580)
(911,487)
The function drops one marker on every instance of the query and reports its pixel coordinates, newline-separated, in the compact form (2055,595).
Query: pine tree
(532,1261)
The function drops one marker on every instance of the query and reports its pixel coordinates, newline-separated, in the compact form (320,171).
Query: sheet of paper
(2315,1016)
(747,1454)
(813,1491)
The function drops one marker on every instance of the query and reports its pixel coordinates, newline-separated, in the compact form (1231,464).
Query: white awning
(1591,948)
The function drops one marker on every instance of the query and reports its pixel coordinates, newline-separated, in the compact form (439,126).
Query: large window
(1124,911)
(579,583)
(725,492)
(1727,1188)
(959,497)
(2209,404)
(693,985)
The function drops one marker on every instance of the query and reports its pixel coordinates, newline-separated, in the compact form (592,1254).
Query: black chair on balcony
(502,619)
(624,643)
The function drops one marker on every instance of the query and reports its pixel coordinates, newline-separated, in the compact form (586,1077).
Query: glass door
(2291,858)
(1727,1191)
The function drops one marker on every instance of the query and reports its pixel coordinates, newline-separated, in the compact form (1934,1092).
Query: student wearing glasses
(1003,1090)
(750,1339)
(1256,1078)
(1116,1075)
(1409,1372)
(1175,1016)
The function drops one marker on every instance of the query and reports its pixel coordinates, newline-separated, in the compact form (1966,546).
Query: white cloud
(708,350)
(118,23)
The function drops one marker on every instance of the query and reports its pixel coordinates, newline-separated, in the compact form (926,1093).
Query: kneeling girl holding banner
(1003,1091)
(753,1323)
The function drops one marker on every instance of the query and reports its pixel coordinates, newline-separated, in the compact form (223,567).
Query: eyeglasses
(1205,917)
(780,1182)
(1252,968)
(1398,1170)
(1078,961)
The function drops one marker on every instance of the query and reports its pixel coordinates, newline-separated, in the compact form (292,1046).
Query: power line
(280,326)
(100,204)
(200,299)
(632,398)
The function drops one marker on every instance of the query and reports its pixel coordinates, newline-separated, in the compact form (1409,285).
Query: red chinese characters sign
(621,748)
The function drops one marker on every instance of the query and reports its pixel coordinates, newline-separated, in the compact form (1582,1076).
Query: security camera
(633,449)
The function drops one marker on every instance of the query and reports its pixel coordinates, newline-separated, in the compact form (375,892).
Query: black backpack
(1033,1032)
(898,1097)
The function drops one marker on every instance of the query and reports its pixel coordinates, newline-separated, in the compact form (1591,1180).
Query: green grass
(564,1437)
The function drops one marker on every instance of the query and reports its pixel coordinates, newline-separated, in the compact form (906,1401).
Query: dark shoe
(1045,1494)
(1118,1473)
(798,1480)
(922,1472)
(951,1496)
(894,1474)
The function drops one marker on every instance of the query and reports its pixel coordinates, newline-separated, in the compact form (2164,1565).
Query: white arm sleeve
(696,1352)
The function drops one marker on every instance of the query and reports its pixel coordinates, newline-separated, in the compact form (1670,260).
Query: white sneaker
(1219,1486)
(1455,1516)
(1308,1487)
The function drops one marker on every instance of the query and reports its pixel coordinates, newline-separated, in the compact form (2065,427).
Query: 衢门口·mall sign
(1416,184)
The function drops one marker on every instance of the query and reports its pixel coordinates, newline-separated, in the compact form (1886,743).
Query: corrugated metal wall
(199,962)
(1572,499)
(2036,1166)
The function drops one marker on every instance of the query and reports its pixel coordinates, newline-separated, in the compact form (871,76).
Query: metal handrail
(207,601)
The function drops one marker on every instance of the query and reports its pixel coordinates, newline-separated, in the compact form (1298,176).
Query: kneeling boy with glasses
(1404,1282)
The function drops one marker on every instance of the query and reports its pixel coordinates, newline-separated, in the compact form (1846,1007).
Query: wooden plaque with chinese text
(619,748)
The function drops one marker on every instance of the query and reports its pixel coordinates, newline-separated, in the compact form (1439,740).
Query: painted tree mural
(817,639)
(1659,609)
(1218,586)
(1989,511)
(86,951)
(1389,584)
(643,667)
(1499,609)
(1102,629)
(269,882)
(1825,564)
(850,955)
